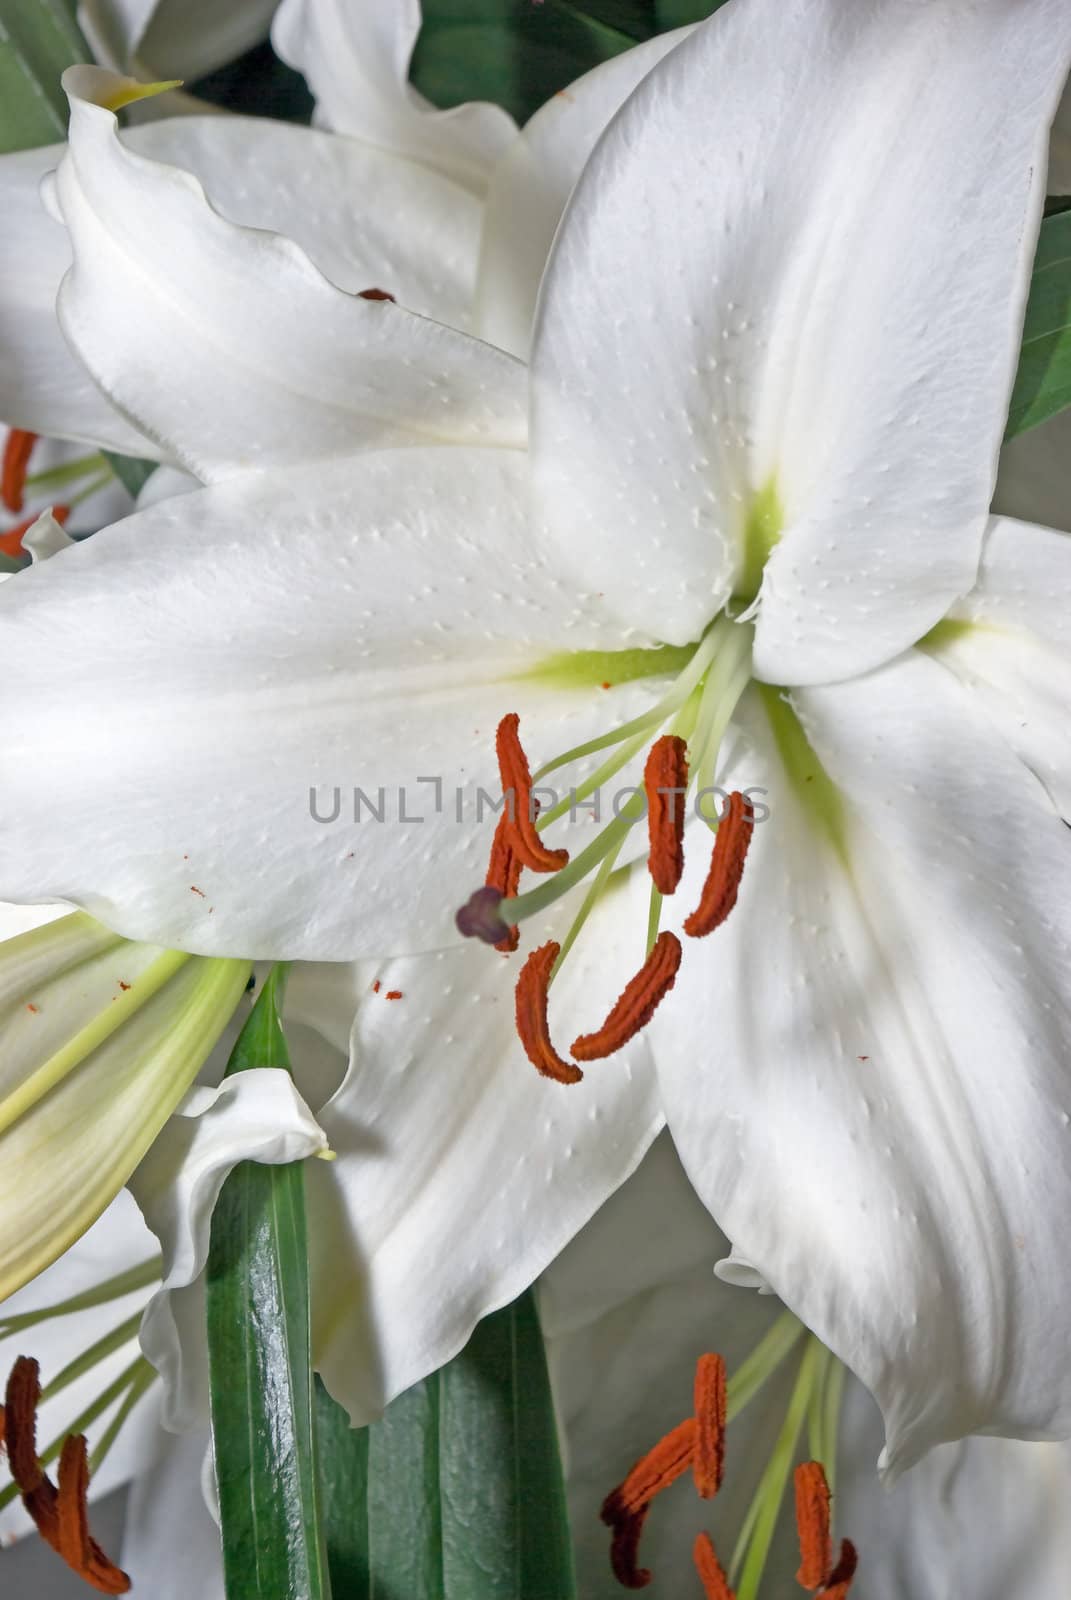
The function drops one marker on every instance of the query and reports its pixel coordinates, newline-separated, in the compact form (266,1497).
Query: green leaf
(457,1493)
(260,1366)
(38,40)
(517,53)
(133,473)
(1043,381)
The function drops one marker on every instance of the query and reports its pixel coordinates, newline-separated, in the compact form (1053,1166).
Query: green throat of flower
(683,734)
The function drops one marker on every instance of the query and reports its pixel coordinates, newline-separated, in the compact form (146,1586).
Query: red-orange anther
(60,1515)
(517,788)
(665,779)
(504,874)
(726,867)
(708,1461)
(812,1523)
(533,1029)
(625,1549)
(839,1581)
(653,1472)
(637,1003)
(715,1583)
(18,447)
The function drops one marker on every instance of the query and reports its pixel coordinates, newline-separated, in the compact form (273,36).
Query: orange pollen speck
(708,1462)
(637,1004)
(375,294)
(812,1521)
(504,874)
(394,994)
(726,867)
(517,787)
(60,1515)
(533,1029)
(17,451)
(715,1583)
(665,779)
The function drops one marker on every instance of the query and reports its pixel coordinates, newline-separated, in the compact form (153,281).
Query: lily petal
(265,360)
(171,1543)
(532,183)
(885,1030)
(354,55)
(177,38)
(1010,642)
(735,344)
(440,1110)
(236,722)
(254,1116)
(43,387)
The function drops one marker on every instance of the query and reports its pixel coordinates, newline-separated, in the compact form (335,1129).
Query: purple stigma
(479,918)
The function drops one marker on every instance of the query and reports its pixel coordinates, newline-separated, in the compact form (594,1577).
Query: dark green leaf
(261,1379)
(517,53)
(457,1493)
(132,472)
(38,40)
(1043,381)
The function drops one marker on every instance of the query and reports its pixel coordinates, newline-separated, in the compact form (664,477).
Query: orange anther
(517,788)
(840,1579)
(60,1515)
(708,1461)
(654,1472)
(726,867)
(504,874)
(715,1583)
(665,780)
(18,447)
(637,1004)
(812,1523)
(532,1026)
(625,1549)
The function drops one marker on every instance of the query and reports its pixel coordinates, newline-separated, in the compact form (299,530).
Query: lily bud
(100,1039)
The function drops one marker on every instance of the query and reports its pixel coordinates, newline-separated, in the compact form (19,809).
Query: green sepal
(133,473)
(260,1360)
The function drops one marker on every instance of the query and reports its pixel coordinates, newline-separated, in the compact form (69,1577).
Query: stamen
(60,1515)
(708,1462)
(517,787)
(11,539)
(665,781)
(504,874)
(715,1583)
(18,448)
(637,1004)
(532,1026)
(726,867)
(75,1544)
(839,1581)
(812,1522)
(625,1550)
(654,1472)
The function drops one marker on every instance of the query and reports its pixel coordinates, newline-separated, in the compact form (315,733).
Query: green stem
(87,1359)
(140,1384)
(124,1283)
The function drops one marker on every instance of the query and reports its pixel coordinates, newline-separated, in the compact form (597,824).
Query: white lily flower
(747,388)
(627,1310)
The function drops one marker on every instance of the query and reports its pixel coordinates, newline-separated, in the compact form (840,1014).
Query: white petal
(355,56)
(985,1518)
(461,1172)
(175,38)
(256,1115)
(265,360)
(731,303)
(362,625)
(44,387)
(865,1069)
(366,219)
(532,183)
(171,1546)
(1015,655)
(118,1241)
